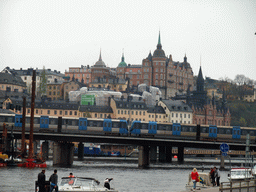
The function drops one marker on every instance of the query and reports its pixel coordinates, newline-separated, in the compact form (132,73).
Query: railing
(241,186)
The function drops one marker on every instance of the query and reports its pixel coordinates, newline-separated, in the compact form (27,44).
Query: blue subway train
(68,124)
(191,131)
(137,128)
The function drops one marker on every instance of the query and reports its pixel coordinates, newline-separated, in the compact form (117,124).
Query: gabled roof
(158,109)
(124,104)
(176,105)
(7,78)
(94,108)
(48,104)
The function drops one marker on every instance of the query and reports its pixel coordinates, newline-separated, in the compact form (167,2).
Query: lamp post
(156,109)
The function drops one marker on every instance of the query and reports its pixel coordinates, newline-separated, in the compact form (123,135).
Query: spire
(159,46)
(185,58)
(159,39)
(200,74)
(200,81)
(123,56)
(100,59)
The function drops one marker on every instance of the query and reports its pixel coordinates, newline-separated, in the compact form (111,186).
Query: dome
(100,63)
(122,63)
(159,52)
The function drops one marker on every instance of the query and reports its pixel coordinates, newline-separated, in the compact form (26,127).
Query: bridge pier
(181,154)
(63,153)
(168,153)
(80,151)
(153,153)
(162,154)
(45,150)
(143,157)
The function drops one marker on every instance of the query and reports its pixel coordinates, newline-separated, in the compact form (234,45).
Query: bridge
(63,145)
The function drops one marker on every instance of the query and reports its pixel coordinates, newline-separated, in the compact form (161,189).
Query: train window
(204,130)
(168,127)
(123,125)
(52,122)
(2,119)
(228,131)
(137,125)
(116,125)
(192,129)
(36,121)
(251,133)
(160,127)
(9,119)
(244,132)
(28,120)
(144,126)
(75,122)
(99,124)
(90,123)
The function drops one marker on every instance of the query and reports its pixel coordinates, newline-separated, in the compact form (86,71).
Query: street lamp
(156,109)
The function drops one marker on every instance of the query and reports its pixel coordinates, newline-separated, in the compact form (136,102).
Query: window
(48,112)
(60,112)
(70,112)
(55,112)
(66,112)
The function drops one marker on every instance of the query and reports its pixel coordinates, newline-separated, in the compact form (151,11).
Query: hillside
(242,113)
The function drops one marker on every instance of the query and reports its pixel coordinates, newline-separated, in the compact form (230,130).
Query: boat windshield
(78,181)
(240,172)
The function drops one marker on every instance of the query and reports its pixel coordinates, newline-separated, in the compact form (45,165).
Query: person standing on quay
(194,177)
(217,176)
(54,181)
(212,174)
(41,181)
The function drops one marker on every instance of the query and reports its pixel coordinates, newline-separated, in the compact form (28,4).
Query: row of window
(54,93)
(55,112)
(181,115)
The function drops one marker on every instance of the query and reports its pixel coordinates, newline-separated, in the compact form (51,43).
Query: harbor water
(171,177)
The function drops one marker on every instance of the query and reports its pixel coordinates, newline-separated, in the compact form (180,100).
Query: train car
(143,128)
(68,124)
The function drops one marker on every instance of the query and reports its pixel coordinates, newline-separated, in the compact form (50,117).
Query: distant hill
(242,113)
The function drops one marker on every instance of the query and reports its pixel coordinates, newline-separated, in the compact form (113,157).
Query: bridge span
(63,146)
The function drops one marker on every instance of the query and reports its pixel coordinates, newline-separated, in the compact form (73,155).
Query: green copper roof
(122,63)
(159,39)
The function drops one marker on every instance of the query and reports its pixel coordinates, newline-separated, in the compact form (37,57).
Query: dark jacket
(41,179)
(54,179)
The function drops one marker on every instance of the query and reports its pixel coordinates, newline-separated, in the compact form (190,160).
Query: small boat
(81,184)
(238,174)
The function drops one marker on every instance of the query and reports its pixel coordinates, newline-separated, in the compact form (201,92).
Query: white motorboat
(81,184)
(240,174)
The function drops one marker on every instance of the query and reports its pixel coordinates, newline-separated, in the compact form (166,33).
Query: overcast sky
(59,34)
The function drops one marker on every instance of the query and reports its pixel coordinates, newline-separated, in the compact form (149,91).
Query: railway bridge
(63,145)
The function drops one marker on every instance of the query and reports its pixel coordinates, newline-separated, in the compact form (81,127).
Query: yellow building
(176,111)
(47,108)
